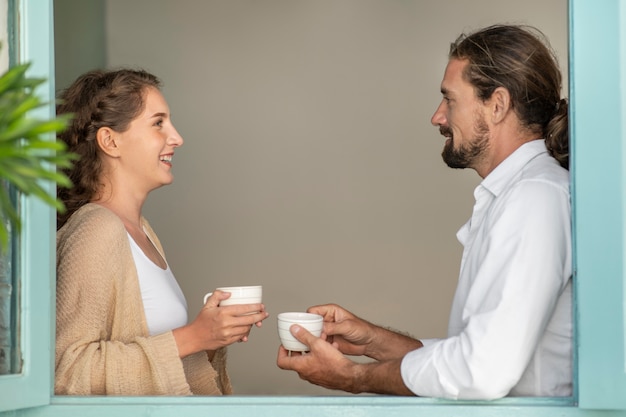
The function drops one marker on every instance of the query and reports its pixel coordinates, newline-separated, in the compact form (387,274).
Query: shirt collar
(498,179)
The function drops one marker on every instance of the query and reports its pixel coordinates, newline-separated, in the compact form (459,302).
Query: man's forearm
(389,344)
(380,378)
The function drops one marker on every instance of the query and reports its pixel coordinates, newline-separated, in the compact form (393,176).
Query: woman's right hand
(218,326)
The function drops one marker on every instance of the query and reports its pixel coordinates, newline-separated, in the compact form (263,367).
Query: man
(510,329)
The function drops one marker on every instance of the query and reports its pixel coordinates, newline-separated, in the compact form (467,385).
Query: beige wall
(310,165)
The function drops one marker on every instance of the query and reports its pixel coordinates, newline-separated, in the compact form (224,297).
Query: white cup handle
(206,296)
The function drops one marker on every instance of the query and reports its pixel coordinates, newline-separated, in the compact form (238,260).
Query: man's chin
(452,159)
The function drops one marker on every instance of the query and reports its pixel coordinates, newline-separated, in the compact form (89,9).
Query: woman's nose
(175,138)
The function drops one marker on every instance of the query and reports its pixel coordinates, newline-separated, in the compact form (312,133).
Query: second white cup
(312,322)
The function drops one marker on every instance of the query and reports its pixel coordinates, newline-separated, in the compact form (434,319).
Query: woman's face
(147,146)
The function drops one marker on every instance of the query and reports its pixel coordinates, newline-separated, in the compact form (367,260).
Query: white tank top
(163,301)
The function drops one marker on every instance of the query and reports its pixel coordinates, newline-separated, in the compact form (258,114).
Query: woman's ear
(500,104)
(106,138)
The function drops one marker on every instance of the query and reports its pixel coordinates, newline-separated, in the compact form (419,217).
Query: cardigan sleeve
(102,342)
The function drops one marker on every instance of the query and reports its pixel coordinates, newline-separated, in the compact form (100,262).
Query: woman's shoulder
(95,213)
(93,219)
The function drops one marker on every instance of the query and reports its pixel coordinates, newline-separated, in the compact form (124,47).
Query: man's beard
(467,155)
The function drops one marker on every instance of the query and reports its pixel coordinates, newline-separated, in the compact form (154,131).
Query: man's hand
(325,365)
(355,336)
(350,334)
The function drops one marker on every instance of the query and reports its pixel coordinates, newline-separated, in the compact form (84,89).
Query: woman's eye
(159,123)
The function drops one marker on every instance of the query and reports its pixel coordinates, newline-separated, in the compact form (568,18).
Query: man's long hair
(519,59)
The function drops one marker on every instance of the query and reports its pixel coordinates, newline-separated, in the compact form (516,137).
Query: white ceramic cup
(252,294)
(312,322)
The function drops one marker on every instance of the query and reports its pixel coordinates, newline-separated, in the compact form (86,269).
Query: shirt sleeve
(525,256)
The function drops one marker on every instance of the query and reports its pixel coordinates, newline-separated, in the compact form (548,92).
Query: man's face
(461,120)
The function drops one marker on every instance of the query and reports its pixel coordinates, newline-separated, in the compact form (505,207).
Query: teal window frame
(598,126)
(598,93)
(36,259)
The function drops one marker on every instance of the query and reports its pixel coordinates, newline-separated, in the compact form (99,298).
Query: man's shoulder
(544,169)
(541,182)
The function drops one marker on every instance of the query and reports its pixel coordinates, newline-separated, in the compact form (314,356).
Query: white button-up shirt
(510,329)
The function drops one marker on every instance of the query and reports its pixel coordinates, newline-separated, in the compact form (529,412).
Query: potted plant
(28,155)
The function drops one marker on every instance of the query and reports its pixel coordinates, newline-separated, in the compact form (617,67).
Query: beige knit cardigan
(102,342)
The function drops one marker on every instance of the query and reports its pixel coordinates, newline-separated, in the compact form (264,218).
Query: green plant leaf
(29,153)
(43,195)
(23,106)
(13,77)
(4,236)
(18,181)
(7,211)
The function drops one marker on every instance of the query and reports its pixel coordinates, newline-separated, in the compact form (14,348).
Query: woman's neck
(128,211)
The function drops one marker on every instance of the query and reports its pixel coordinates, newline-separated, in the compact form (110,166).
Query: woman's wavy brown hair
(519,59)
(97,99)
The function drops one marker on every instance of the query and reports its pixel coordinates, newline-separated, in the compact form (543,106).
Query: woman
(121,316)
